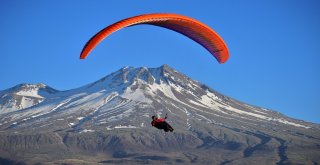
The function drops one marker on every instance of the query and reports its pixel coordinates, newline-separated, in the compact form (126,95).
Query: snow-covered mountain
(23,96)
(112,116)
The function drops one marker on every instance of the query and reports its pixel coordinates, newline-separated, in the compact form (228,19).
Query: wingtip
(82,56)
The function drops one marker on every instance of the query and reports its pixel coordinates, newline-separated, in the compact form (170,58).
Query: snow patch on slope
(263,117)
(136,95)
(30,93)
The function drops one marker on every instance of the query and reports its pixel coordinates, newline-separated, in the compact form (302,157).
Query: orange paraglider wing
(189,27)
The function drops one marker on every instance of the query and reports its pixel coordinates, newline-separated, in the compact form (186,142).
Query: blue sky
(274,47)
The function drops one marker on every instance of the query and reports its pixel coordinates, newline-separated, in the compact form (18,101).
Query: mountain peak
(128,75)
(166,67)
(24,96)
(34,89)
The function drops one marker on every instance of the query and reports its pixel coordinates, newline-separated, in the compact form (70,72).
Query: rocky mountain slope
(108,122)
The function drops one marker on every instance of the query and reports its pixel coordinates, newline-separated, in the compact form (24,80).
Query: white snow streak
(123,126)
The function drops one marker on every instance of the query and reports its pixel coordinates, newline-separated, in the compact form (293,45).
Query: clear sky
(274,47)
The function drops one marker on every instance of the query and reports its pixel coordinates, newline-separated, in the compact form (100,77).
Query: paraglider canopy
(189,27)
